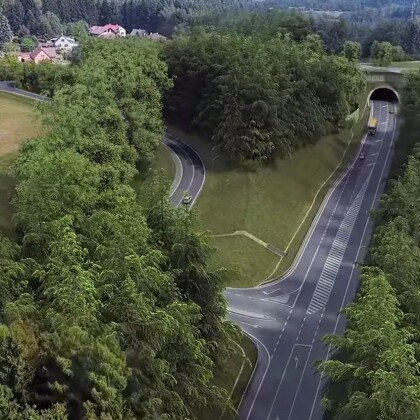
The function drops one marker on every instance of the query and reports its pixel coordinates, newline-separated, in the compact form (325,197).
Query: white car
(362,156)
(187,199)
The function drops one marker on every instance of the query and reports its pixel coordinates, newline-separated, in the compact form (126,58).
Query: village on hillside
(58,50)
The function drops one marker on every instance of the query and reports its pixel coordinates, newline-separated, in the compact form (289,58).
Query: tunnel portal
(384,94)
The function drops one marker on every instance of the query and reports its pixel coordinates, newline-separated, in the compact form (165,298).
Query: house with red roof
(39,54)
(107,31)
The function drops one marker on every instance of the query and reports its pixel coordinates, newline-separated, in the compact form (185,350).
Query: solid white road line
(314,223)
(179,169)
(202,164)
(192,177)
(262,380)
(351,274)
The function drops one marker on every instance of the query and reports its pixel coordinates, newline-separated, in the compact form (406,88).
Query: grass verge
(17,123)
(235,251)
(227,377)
(269,203)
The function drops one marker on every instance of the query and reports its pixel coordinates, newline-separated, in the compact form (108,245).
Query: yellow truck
(372,126)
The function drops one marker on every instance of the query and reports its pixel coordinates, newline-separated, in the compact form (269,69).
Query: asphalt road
(190,174)
(288,317)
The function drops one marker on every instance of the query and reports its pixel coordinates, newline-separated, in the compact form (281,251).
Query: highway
(288,317)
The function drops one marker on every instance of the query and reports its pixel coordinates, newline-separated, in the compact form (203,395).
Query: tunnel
(384,93)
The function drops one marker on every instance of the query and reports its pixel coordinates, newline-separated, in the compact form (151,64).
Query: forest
(253,89)
(378,364)
(108,309)
(356,10)
(35,17)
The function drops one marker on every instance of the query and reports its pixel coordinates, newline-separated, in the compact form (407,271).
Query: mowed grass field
(270,203)
(18,123)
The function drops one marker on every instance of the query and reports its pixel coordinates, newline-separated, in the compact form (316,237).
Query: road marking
(331,267)
(179,169)
(202,165)
(319,245)
(251,325)
(250,314)
(262,380)
(299,384)
(334,186)
(351,274)
(285,370)
(276,290)
(192,178)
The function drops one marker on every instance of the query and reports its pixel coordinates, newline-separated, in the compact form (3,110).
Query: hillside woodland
(252,90)
(37,17)
(108,309)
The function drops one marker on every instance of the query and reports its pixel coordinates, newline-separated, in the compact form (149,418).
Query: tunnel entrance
(384,94)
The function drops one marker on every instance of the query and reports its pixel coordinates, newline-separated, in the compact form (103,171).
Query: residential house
(39,54)
(24,56)
(65,43)
(108,31)
(139,32)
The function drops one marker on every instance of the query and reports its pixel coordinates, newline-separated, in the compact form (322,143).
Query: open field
(17,123)
(270,203)
(227,377)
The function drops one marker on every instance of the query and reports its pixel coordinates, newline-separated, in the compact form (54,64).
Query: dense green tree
(382,53)
(50,25)
(253,94)
(77,30)
(352,50)
(6,33)
(188,253)
(102,319)
(381,374)
(28,43)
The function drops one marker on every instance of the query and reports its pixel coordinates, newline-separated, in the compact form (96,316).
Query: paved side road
(191,172)
(288,317)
